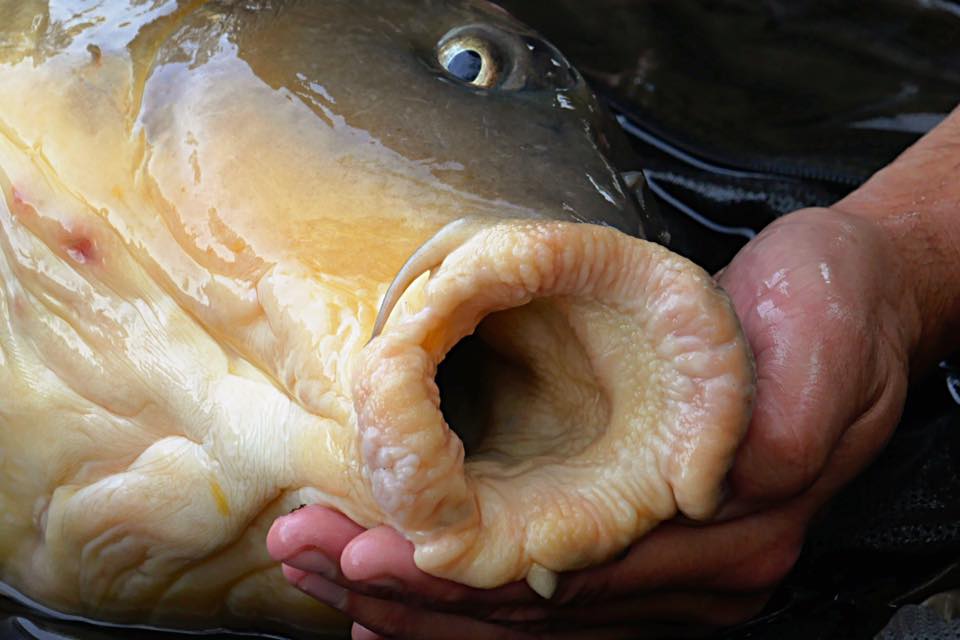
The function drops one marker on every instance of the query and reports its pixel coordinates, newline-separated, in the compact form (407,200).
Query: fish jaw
(651,432)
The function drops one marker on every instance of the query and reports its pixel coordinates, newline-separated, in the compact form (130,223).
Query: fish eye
(470,60)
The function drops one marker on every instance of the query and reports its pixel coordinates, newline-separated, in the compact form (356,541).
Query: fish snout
(561,389)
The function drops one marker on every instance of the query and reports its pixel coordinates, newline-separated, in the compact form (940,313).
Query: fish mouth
(600,382)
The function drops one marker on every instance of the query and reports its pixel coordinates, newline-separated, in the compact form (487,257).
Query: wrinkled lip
(635,388)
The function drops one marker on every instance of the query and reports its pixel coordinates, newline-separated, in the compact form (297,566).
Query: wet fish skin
(203,207)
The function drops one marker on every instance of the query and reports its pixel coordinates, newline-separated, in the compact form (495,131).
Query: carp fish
(238,239)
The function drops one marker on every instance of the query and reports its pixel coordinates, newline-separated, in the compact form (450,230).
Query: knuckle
(781,462)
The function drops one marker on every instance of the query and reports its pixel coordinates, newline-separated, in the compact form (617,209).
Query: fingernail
(295,509)
(323,590)
(314,562)
(292,574)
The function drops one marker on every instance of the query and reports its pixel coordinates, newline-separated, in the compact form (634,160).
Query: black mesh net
(913,622)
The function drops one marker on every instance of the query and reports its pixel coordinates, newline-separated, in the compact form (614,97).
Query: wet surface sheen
(719,162)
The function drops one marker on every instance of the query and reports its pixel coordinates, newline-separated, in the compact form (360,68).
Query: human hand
(826,305)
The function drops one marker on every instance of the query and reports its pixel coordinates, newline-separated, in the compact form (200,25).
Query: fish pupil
(466,65)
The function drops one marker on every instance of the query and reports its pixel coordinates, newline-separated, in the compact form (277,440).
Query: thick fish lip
(680,403)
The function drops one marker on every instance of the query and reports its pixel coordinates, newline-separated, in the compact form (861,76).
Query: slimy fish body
(205,207)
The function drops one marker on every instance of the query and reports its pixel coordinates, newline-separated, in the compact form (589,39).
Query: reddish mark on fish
(78,244)
(19,202)
(20,207)
(81,249)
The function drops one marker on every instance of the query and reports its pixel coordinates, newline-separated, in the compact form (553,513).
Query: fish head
(215,197)
(378,142)
(472,107)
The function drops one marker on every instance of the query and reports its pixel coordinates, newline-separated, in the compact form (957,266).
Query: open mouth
(561,390)
(522,386)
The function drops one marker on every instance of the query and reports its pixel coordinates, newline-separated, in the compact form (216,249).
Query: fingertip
(313,561)
(310,527)
(377,553)
(383,558)
(278,538)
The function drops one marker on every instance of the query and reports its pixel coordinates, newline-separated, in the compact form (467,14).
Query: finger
(382,558)
(794,425)
(311,539)
(749,554)
(376,562)
(698,613)
(701,609)
(746,555)
(397,620)
(807,393)
(380,562)
(859,445)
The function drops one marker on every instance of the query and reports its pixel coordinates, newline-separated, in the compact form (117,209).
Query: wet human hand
(825,302)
